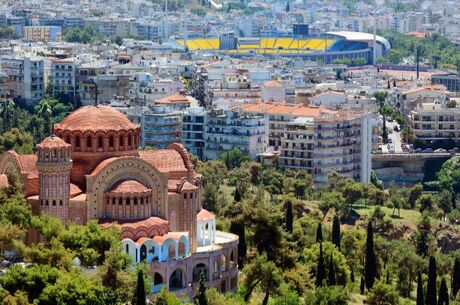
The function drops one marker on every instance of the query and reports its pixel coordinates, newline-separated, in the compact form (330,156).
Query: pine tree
(237,227)
(336,231)
(456,277)
(289,216)
(237,196)
(370,264)
(331,275)
(431,286)
(320,270)
(419,290)
(140,289)
(443,293)
(362,286)
(319,233)
(200,296)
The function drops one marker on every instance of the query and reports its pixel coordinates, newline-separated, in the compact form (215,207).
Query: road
(395,137)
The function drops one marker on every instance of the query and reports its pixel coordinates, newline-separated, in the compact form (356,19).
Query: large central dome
(94,119)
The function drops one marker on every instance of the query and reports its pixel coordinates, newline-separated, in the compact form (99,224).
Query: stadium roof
(359,36)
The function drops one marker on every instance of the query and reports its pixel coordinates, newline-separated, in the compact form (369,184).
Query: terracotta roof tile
(129,186)
(74,190)
(53,142)
(285,109)
(28,165)
(96,118)
(133,225)
(187,186)
(205,215)
(165,160)
(174,99)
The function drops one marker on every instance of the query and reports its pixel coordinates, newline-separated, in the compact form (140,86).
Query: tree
(329,200)
(336,231)
(140,289)
(456,277)
(443,293)
(445,202)
(7,113)
(300,186)
(331,272)
(415,192)
(335,295)
(431,286)
(19,141)
(319,233)
(353,191)
(382,294)
(380,97)
(237,196)
(237,227)
(166,298)
(234,158)
(263,273)
(370,267)
(320,269)
(420,299)
(200,297)
(426,202)
(289,216)
(362,286)
(45,112)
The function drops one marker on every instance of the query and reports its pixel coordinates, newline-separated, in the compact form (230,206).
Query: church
(92,168)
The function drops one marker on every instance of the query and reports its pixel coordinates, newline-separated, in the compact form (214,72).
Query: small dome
(53,142)
(128,186)
(96,118)
(205,215)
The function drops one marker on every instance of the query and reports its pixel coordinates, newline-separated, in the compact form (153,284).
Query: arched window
(54,202)
(100,143)
(127,248)
(130,139)
(135,200)
(120,201)
(67,139)
(121,144)
(77,142)
(113,200)
(111,142)
(60,202)
(142,200)
(46,202)
(128,201)
(89,142)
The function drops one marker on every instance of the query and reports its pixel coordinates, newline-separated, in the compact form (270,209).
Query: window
(129,140)
(100,142)
(111,142)
(122,141)
(54,202)
(89,142)
(128,201)
(120,201)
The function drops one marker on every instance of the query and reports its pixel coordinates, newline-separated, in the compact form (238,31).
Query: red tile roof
(174,99)
(96,118)
(28,165)
(285,109)
(53,142)
(205,215)
(165,160)
(129,186)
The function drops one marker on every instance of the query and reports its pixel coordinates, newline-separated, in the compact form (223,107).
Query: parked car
(418,150)
(453,150)
(428,150)
(440,150)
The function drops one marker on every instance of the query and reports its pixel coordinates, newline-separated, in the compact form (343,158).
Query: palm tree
(46,112)
(7,114)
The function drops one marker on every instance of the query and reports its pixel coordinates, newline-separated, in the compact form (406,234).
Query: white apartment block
(26,77)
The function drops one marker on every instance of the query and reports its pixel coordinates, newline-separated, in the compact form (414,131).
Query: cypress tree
(140,289)
(419,290)
(331,275)
(456,277)
(320,269)
(289,216)
(237,196)
(352,274)
(237,227)
(336,231)
(200,296)
(370,264)
(319,233)
(362,286)
(443,293)
(431,286)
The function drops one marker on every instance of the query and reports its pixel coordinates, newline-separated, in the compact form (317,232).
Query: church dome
(53,142)
(96,118)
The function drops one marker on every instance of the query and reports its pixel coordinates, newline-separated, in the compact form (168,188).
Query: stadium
(334,45)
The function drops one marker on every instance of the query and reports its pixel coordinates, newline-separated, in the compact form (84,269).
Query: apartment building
(63,80)
(42,33)
(161,123)
(319,140)
(26,77)
(226,129)
(144,87)
(434,120)
(4,80)
(86,76)
(451,81)
(193,131)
